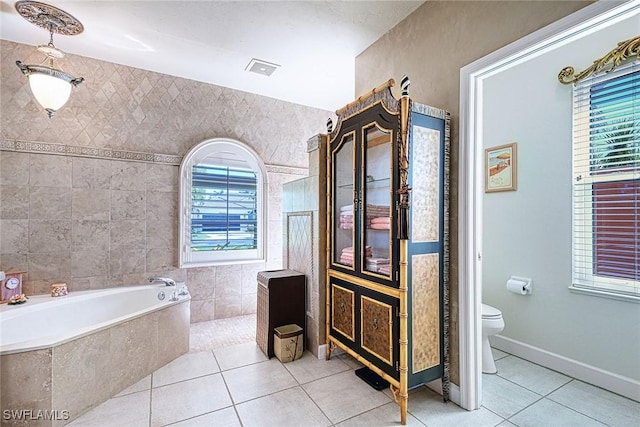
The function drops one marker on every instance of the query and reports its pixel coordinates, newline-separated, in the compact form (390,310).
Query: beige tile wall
(93,220)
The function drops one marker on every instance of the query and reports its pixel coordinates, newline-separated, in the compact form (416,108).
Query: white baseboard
(454,390)
(322,351)
(623,386)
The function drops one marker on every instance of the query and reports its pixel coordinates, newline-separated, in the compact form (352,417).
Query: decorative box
(59,289)
(288,343)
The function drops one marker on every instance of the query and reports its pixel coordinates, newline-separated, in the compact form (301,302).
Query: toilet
(492,323)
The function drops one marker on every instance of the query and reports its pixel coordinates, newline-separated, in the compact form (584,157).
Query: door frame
(471,176)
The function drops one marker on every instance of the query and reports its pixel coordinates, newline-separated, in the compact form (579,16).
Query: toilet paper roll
(517,286)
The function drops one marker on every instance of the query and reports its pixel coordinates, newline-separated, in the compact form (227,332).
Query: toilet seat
(489,312)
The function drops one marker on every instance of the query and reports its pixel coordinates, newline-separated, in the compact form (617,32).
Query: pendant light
(50,86)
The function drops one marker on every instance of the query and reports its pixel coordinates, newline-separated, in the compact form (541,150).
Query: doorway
(471,160)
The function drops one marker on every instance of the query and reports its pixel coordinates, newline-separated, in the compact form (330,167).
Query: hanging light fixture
(50,86)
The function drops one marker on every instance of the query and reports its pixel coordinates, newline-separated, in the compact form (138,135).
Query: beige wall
(431,46)
(90,197)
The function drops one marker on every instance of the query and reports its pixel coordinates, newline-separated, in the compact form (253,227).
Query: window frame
(584,278)
(196,156)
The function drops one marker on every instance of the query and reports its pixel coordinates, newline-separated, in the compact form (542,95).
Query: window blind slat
(606,188)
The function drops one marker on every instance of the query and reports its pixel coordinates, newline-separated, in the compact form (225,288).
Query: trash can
(287,343)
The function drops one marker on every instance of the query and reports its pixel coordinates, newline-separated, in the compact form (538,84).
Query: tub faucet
(166,281)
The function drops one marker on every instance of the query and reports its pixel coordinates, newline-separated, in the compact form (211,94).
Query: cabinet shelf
(373,184)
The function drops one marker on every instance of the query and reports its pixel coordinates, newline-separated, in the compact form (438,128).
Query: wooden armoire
(388,238)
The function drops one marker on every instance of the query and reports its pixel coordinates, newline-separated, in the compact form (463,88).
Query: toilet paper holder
(520,285)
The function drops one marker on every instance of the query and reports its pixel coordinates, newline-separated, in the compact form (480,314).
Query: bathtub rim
(41,302)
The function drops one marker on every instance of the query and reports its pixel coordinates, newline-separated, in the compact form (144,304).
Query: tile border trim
(111,154)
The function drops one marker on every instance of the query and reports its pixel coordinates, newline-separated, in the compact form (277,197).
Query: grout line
(503,419)
(150,399)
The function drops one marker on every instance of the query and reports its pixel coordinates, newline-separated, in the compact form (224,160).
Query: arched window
(222,204)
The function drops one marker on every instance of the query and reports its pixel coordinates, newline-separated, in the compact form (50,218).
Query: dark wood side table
(281,301)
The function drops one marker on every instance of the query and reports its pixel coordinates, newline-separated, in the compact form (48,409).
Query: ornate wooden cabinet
(387,251)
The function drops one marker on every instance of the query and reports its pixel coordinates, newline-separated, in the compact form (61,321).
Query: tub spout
(165,280)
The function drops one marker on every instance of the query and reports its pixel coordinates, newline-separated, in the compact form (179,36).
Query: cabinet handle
(342,307)
(375,323)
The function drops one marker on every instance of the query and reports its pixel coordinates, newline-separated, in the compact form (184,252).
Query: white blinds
(606,187)
(223,209)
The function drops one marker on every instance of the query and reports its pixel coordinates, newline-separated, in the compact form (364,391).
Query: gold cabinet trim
(386,290)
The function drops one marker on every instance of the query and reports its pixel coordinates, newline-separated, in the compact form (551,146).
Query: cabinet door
(379,329)
(343,311)
(377,199)
(343,201)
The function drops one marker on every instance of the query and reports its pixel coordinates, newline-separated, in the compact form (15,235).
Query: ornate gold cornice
(622,51)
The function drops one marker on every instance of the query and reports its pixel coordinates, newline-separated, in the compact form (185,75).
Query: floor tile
(504,397)
(186,367)
(239,355)
(385,415)
(429,408)
(529,375)
(143,384)
(187,399)
(344,395)
(222,332)
(257,380)
(309,368)
(349,360)
(291,407)
(548,413)
(131,410)
(599,404)
(226,417)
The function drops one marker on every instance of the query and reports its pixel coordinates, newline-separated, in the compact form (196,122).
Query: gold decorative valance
(624,50)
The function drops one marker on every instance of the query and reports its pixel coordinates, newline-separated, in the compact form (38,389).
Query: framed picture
(500,168)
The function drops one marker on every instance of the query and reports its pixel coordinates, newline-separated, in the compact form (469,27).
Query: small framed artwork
(500,168)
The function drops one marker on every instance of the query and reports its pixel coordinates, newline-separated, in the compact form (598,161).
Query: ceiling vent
(261,67)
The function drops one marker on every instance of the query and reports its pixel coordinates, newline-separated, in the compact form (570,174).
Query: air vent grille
(261,67)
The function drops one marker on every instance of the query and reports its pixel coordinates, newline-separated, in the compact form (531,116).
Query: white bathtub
(69,354)
(45,321)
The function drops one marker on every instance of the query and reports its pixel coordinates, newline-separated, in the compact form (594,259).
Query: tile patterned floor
(225,380)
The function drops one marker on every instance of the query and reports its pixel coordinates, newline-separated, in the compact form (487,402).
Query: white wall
(528,232)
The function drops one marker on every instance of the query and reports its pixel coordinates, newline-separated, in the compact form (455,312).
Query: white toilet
(492,323)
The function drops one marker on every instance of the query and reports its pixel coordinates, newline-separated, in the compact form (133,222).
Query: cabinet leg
(401,399)
(330,347)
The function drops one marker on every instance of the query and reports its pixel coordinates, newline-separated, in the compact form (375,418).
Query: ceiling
(314,42)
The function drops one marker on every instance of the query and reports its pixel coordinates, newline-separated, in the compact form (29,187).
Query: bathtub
(60,357)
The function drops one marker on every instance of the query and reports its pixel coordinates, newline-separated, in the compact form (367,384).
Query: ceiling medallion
(49,17)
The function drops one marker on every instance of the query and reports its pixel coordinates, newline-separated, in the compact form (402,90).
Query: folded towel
(381,220)
(380,226)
